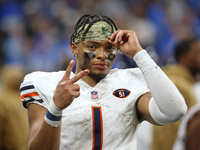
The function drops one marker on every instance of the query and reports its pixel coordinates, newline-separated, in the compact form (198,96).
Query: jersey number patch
(121,93)
(97,128)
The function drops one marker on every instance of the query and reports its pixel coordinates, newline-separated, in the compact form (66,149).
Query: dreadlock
(90,19)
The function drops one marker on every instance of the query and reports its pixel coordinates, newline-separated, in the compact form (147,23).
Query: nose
(101,54)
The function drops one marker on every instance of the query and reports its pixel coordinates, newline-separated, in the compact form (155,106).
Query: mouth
(101,66)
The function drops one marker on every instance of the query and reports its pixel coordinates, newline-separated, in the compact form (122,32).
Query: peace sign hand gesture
(66,89)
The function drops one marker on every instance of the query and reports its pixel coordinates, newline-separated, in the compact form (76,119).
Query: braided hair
(90,19)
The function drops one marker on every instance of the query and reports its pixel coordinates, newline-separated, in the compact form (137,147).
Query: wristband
(53,115)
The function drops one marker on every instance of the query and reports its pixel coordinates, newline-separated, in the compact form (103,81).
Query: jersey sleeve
(30,92)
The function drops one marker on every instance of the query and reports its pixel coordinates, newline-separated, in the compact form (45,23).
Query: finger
(76,94)
(117,45)
(112,37)
(119,37)
(79,76)
(75,87)
(68,71)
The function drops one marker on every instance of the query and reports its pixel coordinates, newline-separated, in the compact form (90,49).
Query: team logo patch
(121,93)
(94,95)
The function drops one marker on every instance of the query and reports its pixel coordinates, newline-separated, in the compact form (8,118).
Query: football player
(99,108)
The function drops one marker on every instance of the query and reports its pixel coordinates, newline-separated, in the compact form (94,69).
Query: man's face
(195,55)
(97,56)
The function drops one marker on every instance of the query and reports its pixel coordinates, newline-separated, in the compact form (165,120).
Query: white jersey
(102,117)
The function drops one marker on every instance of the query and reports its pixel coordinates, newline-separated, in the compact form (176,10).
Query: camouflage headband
(98,31)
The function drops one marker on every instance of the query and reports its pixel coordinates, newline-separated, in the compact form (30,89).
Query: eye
(91,47)
(111,47)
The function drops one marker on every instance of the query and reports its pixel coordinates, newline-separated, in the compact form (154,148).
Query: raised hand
(126,41)
(66,89)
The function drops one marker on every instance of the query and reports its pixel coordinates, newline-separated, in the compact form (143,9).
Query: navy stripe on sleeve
(27,88)
(31,100)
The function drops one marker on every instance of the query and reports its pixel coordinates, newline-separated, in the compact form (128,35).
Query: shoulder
(38,87)
(126,73)
(175,70)
(127,78)
(127,70)
(43,76)
(43,79)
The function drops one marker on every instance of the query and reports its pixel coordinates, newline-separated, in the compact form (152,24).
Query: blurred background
(35,33)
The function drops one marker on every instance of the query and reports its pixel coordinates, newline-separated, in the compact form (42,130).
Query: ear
(74,49)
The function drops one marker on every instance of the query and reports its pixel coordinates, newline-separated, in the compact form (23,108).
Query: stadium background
(35,33)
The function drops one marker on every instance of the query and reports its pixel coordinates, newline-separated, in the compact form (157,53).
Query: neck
(89,80)
(92,79)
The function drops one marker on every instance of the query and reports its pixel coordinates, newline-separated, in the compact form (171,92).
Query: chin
(97,76)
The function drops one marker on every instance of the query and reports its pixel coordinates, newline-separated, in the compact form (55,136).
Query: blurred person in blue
(183,75)
(14,128)
(98,107)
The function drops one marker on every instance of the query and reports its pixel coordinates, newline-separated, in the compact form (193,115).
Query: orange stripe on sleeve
(29,95)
